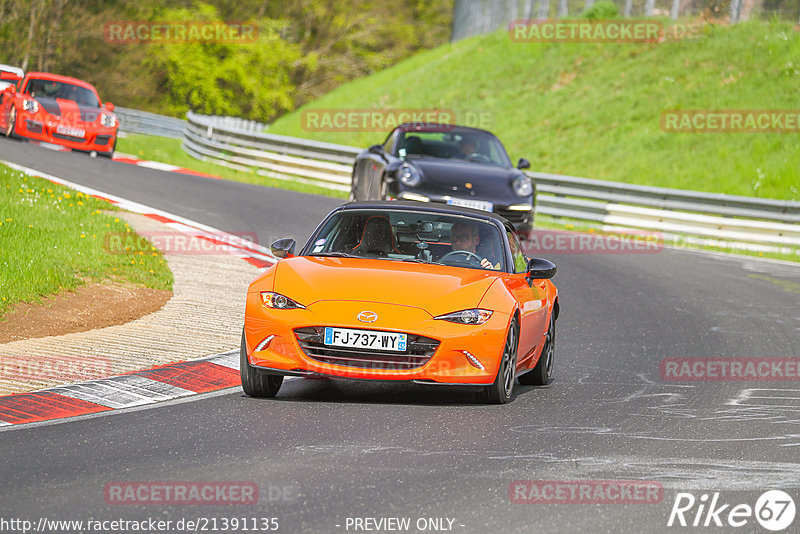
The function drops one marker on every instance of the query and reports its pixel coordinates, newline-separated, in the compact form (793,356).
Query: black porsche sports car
(444,163)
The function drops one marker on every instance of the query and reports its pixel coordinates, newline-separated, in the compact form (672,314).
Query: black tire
(503,387)
(543,372)
(353,185)
(12,121)
(254,383)
(384,189)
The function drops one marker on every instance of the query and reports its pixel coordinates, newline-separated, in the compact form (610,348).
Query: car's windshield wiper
(334,254)
(417,260)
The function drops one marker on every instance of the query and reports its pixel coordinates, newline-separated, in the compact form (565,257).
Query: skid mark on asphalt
(675,473)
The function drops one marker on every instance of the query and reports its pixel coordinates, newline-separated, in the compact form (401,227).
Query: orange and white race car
(403,291)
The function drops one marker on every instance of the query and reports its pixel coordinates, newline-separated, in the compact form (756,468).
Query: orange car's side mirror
(539,269)
(283,248)
(109,106)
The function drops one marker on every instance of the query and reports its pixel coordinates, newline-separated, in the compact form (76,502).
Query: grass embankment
(166,150)
(53,238)
(593,109)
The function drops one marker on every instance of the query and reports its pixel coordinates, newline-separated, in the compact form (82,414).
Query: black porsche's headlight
(522,186)
(409,175)
(473,316)
(278,301)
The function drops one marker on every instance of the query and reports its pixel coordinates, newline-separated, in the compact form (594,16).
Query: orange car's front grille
(420,351)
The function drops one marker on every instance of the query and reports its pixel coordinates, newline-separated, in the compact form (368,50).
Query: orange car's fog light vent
(473,360)
(265,343)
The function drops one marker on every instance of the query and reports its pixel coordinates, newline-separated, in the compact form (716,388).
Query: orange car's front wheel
(502,388)
(254,383)
(12,121)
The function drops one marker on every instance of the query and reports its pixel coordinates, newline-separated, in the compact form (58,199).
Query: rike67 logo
(774,510)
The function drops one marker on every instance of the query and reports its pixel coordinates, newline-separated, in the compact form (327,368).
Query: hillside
(593,109)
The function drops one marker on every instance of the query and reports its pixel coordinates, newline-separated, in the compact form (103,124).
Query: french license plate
(474,204)
(68,130)
(365,339)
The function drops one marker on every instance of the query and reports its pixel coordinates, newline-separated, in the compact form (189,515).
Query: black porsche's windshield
(40,88)
(412,236)
(475,146)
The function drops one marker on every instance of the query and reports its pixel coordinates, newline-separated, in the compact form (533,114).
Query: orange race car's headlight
(473,316)
(109,121)
(278,301)
(31,106)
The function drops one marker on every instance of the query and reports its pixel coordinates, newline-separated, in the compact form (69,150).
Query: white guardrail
(694,217)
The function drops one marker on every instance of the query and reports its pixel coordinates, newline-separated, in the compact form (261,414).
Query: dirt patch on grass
(88,307)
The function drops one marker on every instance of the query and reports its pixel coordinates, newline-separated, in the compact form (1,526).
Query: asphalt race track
(324,451)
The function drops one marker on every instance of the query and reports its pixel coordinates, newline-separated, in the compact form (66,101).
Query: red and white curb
(166,167)
(252,253)
(138,388)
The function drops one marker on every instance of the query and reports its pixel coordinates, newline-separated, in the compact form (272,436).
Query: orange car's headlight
(473,316)
(278,301)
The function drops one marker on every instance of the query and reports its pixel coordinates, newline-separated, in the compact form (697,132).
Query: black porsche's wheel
(254,383)
(12,121)
(543,372)
(384,195)
(502,388)
(353,184)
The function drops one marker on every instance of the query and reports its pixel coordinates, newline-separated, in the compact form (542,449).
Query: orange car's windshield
(412,236)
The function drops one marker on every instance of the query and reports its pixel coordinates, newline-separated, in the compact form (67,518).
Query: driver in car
(466,146)
(466,237)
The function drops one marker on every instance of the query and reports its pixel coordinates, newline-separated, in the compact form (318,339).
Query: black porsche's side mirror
(540,269)
(283,248)
(523,164)
(376,149)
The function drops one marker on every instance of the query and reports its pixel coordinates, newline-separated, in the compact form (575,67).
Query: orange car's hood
(436,289)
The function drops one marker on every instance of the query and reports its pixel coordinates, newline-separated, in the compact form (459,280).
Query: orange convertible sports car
(431,294)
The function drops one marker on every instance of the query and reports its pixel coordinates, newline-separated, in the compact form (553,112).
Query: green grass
(53,238)
(166,150)
(593,109)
